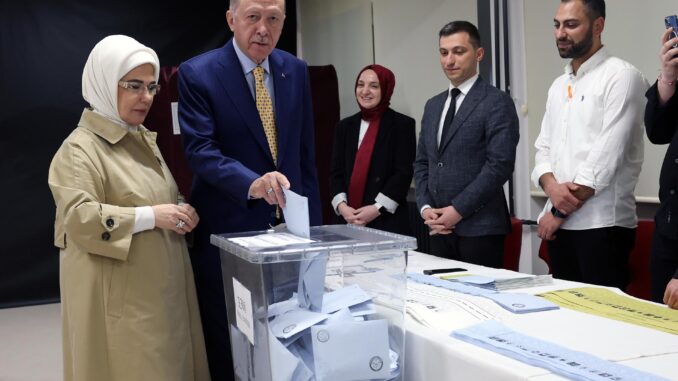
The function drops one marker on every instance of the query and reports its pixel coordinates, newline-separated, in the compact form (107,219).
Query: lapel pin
(283,75)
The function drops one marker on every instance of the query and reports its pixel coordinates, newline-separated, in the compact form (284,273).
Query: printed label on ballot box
(243,310)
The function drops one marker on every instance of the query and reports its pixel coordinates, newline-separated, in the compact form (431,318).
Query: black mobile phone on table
(443,271)
(672,22)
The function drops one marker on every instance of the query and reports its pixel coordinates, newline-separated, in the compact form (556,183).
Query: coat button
(672,192)
(110,222)
(377,179)
(105,236)
(440,165)
(675,161)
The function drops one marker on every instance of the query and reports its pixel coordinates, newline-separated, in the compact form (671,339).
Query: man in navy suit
(466,152)
(240,169)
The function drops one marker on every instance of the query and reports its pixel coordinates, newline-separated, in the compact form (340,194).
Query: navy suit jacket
(475,158)
(225,142)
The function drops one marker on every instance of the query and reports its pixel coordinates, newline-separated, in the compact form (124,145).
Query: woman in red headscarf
(373,155)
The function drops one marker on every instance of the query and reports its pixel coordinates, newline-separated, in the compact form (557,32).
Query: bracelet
(668,83)
(558,213)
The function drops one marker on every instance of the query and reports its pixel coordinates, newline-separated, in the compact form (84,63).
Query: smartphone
(672,22)
(443,271)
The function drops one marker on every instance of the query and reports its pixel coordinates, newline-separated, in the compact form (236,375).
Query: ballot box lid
(279,245)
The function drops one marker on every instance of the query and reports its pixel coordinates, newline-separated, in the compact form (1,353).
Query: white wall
(337,32)
(405,40)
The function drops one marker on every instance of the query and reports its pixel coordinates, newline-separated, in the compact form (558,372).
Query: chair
(639,262)
(544,254)
(512,245)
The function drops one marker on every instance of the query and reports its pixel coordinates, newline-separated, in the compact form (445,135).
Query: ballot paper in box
(327,307)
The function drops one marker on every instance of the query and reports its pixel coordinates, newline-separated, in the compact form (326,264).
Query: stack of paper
(566,362)
(502,284)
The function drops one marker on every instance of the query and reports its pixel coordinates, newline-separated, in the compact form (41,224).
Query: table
(431,354)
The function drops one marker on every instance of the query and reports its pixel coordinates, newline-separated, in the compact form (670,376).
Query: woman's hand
(178,218)
(365,215)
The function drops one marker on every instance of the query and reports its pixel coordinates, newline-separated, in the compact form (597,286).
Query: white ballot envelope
(289,324)
(340,317)
(362,309)
(344,297)
(284,306)
(286,366)
(296,214)
(312,282)
(351,351)
(522,303)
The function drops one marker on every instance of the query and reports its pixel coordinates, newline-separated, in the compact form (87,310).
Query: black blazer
(661,124)
(390,170)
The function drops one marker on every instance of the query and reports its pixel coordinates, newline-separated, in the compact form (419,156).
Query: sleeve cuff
(338,199)
(586,176)
(539,171)
(144,219)
(386,202)
(421,211)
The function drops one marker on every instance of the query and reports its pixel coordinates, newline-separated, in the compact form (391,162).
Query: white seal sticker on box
(243,310)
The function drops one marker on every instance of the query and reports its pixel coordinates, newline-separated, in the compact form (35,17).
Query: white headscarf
(110,60)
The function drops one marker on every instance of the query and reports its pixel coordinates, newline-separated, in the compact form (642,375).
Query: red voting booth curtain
(325,94)
(161,120)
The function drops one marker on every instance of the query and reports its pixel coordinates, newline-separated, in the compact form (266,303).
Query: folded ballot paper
(502,284)
(337,343)
(573,365)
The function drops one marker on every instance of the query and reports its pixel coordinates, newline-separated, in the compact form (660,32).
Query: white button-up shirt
(592,134)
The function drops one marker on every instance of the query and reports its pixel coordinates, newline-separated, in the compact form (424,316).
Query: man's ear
(598,26)
(480,53)
(229,19)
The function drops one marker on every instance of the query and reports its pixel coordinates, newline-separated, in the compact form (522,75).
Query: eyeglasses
(138,87)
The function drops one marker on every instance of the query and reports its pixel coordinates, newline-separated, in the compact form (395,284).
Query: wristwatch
(557,213)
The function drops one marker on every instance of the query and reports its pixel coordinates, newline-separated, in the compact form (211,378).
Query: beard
(576,50)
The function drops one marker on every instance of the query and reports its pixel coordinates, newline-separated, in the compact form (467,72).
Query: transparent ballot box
(328,308)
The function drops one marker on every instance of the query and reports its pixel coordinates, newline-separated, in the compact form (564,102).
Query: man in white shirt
(589,152)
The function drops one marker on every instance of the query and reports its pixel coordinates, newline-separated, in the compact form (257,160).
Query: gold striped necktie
(265,108)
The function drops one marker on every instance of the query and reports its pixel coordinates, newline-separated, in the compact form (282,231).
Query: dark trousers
(597,256)
(210,289)
(663,264)
(487,250)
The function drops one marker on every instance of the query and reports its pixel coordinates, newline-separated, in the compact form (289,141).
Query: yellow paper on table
(606,303)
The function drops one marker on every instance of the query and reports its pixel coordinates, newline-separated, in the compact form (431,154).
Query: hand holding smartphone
(672,22)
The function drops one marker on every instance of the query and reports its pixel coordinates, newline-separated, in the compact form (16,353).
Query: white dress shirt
(592,134)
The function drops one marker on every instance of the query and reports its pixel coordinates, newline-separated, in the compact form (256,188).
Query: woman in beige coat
(128,301)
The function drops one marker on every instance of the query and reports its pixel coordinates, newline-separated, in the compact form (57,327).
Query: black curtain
(43,48)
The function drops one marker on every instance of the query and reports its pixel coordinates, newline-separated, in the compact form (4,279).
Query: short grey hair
(233,4)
